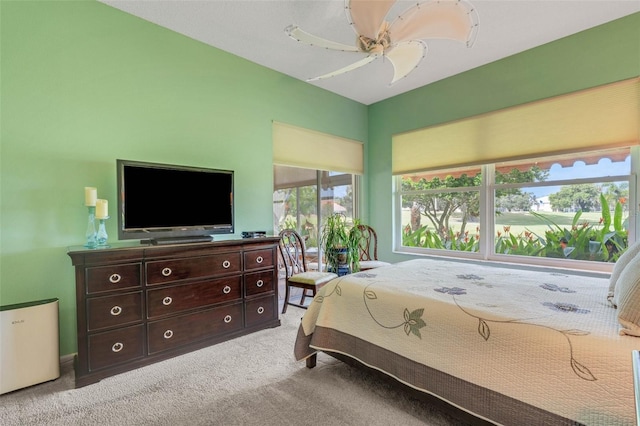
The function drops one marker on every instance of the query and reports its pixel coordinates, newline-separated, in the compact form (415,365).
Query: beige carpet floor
(251,380)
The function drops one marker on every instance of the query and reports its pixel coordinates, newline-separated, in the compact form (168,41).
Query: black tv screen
(164,201)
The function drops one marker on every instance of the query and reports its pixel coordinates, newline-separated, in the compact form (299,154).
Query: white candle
(90,196)
(102,209)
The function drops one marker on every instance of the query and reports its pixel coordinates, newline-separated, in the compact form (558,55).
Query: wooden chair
(292,251)
(369,249)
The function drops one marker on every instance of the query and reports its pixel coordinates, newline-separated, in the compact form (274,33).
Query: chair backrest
(292,250)
(368,247)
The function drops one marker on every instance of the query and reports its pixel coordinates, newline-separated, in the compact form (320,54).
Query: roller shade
(601,117)
(298,147)
(288,177)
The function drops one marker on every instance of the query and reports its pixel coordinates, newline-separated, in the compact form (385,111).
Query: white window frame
(487,213)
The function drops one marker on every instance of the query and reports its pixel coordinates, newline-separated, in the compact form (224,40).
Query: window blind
(289,177)
(298,147)
(601,117)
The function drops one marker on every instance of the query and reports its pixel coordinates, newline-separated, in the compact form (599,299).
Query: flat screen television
(166,203)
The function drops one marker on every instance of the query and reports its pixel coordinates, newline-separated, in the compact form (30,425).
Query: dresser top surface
(137,249)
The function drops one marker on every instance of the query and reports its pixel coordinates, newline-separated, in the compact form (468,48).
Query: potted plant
(340,241)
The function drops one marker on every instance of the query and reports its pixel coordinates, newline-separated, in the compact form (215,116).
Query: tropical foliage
(584,241)
(604,241)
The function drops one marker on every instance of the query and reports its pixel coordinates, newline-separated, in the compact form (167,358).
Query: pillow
(620,265)
(371,264)
(627,297)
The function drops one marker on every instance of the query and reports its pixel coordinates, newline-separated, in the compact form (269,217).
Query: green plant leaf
(576,218)
(617,217)
(606,214)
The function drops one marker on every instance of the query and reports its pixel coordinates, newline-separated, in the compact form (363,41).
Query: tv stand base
(181,240)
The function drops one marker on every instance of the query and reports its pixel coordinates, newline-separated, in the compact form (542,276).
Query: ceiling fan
(401,41)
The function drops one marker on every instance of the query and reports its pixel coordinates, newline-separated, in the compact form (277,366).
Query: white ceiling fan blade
(348,68)
(444,19)
(296,33)
(366,16)
(405,57)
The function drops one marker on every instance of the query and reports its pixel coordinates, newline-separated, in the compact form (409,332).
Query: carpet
(251,380)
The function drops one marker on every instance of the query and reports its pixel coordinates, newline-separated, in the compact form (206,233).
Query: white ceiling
(254,30)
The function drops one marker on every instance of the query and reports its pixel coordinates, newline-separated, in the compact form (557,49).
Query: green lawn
(519,222)
(527,219)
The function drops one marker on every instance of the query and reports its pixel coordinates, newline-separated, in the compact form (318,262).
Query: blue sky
(605,167)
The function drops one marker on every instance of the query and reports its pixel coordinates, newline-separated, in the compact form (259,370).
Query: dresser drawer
(169,300)
(115,277)
(115,347)
(258,283)
(258,259)
(165,271)
(110,311)
(178,331)
(260,310)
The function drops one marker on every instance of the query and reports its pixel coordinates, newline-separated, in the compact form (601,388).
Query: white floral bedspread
(548,339)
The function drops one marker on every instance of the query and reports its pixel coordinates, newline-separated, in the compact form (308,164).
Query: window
(315,175)
(441,210)
(570,208)
(299,195)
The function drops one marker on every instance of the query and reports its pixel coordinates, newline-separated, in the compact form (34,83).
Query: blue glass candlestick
(102,236)
(91,235)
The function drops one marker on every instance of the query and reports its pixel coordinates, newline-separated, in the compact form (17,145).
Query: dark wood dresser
(140,304)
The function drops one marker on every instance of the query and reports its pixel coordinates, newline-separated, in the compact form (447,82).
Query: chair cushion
(313,277)
(627,298)
(370,264)
(621,265)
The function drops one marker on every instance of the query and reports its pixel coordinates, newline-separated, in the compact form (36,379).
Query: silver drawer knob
(227,319)
(167,301)
(116,310)
(261,310)
(226,289)
(168,334)
(166,272)
(226,264)
(117,347)
(259,259)
(259,283)
(115,278)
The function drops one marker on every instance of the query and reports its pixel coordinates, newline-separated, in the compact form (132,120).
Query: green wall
(601,55)
(82,84)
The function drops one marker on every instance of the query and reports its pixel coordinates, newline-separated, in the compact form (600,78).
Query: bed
(510,346)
